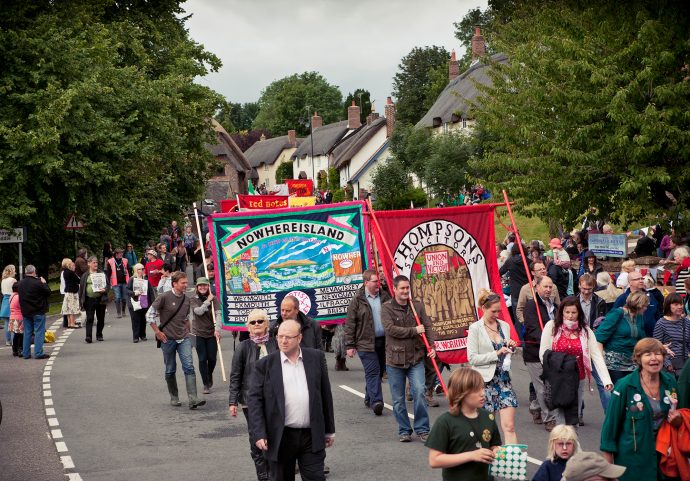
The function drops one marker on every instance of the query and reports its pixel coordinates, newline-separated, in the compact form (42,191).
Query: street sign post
(15,236)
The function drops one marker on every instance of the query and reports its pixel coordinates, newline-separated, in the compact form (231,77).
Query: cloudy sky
(352,43)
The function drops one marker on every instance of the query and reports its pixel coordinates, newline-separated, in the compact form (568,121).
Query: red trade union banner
(449,255)
(300,187)
(263,201)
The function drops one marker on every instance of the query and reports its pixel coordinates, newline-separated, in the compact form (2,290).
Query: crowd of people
(576,324)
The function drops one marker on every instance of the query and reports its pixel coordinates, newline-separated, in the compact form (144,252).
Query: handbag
(510,462)
(158,342)
(677,362)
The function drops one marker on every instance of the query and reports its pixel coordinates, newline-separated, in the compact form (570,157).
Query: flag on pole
(250,188)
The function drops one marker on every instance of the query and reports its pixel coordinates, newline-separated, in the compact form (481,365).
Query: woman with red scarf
(570,334)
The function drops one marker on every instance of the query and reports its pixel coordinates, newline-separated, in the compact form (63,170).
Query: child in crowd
(16,324)
(463,441)
(563,444)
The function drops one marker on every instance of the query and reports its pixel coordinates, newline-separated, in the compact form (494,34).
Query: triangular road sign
(73,223)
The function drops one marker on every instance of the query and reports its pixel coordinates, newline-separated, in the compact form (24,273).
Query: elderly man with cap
(205,329)
(153,269)
(560,271)
(589,466)
(259,345)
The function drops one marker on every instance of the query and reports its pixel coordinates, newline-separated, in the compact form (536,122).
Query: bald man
(291,407)
(310,329)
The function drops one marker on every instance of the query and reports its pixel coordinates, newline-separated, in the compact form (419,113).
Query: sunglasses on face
(259,322)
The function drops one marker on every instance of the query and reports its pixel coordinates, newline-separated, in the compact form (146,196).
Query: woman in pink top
(16,324)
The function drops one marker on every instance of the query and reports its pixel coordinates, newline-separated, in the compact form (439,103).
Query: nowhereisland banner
(316,254)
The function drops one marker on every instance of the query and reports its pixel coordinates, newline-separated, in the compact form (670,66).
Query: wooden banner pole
(213,311)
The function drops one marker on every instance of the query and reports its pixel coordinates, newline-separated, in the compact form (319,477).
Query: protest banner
(316,254)
(300,187)
(611,245)
(301,201)
(262,202)
(449,255)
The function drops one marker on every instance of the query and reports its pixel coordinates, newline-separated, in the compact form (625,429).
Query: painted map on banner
(315,253)
(449,255)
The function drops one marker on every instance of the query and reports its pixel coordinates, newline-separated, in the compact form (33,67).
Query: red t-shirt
(154,277)
(573,347)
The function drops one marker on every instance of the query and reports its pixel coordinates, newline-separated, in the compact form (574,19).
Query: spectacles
(564,444)
(287,338)
(260,321)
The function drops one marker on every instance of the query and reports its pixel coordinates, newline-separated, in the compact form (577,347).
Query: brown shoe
(430,400)
(340,364)
(550,425)
(536,416)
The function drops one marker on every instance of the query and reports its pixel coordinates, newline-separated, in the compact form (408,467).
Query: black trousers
(257,455)
(207,352)
(93,307)
(138,319)
(296,446)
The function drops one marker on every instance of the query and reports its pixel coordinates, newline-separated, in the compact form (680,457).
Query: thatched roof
(227,149)
(325,138)
(353,143)
(267,151)
(457,98)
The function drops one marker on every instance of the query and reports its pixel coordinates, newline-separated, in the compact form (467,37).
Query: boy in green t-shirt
(463,441)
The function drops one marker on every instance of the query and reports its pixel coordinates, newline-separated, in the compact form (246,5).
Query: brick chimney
(389,110)
(453,67)
(316,121)
(353,121)
(373,115)
(478,44)
(292,138)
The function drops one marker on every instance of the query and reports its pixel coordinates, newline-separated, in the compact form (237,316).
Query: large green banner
(316,254)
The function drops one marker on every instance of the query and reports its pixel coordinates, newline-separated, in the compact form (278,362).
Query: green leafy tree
(288,104)
(393,187)
(591,112)
(333,179)
(412,83)
(284,171)
(412,148)
(100,115)
(447,166)
(362,99)
(465,30)
(236,117)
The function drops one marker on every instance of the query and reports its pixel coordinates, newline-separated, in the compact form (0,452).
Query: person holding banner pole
(213,312)
(405,354)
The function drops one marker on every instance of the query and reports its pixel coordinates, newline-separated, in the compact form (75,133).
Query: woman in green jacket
(640,403)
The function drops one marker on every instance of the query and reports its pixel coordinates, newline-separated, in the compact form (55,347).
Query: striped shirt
(672,331)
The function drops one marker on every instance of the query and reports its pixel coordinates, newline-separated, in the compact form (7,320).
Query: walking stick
(213,311)
(414,311)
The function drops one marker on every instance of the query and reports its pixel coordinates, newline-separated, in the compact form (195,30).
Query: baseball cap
(586,464)
(202,280)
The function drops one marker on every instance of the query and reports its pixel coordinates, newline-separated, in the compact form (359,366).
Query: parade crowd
(577,326)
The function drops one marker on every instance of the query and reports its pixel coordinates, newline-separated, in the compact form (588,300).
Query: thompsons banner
(316,254)
(449,255)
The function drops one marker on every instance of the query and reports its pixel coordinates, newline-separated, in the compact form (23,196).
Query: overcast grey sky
(352,43)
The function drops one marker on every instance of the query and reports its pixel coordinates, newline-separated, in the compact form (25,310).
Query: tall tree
(100,115)
(591,112)
(236,117)
(362,99)
(447,168)
(393,187)
(412,82)
(288,103)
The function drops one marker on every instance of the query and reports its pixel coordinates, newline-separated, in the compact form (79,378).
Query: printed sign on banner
(449,256)
(262,201)
(300,187)
(316,254)
(612,245)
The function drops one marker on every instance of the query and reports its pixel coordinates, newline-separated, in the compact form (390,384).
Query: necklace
(493,330)
(649,390)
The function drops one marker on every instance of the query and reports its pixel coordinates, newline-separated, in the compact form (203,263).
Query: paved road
(111,404)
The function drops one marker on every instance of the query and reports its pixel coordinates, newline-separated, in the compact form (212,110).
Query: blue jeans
(184,350)
(119,291)
(604,395)
(373,365)
(35,325)
(396,380)
(8,333)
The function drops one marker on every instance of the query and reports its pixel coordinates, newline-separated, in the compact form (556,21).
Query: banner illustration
(449,256)
(316,253)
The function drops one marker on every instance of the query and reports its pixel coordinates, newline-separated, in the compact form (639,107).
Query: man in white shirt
(291,407)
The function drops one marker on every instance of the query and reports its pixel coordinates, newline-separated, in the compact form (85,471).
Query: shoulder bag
(162,326)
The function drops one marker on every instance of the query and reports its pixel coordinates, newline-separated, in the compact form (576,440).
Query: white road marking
(46,379)
(67,462)
(73,477)
(46,385)
(56,433)
(61,447)
(47,394)
(50,411)
(48,401)
(388,406)
(52,422)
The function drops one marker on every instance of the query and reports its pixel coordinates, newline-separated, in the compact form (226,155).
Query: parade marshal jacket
(404,347)
(628,430)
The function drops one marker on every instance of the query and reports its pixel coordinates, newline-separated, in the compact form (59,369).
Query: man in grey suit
(291,407)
